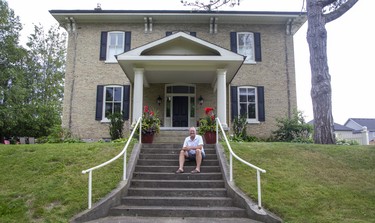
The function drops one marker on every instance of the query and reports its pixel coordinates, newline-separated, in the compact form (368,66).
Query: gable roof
(180,57)
(336,127)
(368,122)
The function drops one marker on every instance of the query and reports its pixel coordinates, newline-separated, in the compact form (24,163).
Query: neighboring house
(358,123)
(120,60)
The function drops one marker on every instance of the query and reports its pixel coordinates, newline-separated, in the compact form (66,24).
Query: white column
(222,96)
(138,93)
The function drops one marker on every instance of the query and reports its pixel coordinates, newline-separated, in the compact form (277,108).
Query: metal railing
(232,154)
(122,153)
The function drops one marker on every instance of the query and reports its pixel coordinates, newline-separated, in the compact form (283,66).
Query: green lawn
(303,183)
(311,183)
(44,183)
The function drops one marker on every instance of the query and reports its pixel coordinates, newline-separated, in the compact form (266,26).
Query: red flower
(151,113)
(145,109)
(208,110)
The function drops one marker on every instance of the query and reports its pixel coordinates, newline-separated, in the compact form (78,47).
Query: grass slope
(44,183)
(311,183)
(303,183)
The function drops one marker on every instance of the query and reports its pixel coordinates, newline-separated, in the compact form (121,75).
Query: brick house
(178,62)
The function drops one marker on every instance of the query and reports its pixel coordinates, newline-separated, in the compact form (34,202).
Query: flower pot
(147,138)
(210,137)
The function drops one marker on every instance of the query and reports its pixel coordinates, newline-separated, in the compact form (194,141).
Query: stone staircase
(156,190)
(155,193)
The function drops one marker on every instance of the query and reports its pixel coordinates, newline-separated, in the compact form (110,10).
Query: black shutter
(234,102)
(233,42)
(103,46)
(261,107)
(168,33)
(99,102)
(193,34)
(258,48)
(127,41)
(126,102)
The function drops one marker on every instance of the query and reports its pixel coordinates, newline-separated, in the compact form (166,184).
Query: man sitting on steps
(192,150)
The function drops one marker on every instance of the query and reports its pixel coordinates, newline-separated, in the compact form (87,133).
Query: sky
(350,44)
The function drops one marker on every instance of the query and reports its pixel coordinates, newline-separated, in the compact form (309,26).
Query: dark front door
(180,111)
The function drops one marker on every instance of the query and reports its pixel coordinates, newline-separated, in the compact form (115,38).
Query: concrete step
(171,145)
(172,151)
(174,162)
(173,192)
(173,176)
(172,169)
(177,201)
(181,211)
(140,219)
(170,156)
(178,183)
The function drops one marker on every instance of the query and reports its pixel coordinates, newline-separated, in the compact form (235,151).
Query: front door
(180,111)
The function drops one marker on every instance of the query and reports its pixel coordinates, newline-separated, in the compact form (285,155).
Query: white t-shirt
(195,142)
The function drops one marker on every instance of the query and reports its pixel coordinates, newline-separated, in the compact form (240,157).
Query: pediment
(180,46)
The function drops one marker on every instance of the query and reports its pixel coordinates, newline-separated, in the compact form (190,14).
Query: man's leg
(181,160)
(198,159)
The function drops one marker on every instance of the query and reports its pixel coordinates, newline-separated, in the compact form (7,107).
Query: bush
(293,129)
(116,125)
(239,128)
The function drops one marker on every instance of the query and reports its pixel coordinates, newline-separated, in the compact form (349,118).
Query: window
(247,44)
(111,99)
(248,101)
(112,44)
(115,45)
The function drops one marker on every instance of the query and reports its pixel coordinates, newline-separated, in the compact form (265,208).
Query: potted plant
(207,126)
(150,125)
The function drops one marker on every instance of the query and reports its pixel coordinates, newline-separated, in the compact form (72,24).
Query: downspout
(288,32)
(73,31)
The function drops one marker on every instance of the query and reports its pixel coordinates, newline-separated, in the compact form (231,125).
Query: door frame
(168,98)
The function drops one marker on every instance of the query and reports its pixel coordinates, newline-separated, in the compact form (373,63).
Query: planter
(210,137)
(147,138)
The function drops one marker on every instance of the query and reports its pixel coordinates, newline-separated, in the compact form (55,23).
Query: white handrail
(218,124)
(123,152)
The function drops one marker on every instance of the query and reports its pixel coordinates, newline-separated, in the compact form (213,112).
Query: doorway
(180,111)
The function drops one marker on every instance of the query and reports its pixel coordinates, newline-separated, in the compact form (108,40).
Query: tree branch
(341,10)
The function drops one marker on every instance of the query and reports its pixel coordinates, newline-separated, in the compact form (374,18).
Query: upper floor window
(115,45)
(247,44)
(112,44)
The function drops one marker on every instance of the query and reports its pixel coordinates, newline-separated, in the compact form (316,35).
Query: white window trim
(247,61)
(113,60)
(256,119)
(104,119)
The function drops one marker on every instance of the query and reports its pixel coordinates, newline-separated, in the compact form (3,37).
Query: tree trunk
(321,93)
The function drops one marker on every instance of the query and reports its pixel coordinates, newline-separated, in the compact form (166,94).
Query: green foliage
(239,129)
(293,129)
(208,123)
(116,125)
(31,80)
(346,142)
(150,121)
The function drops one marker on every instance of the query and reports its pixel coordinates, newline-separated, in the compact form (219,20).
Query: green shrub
(293,129)
(116,125)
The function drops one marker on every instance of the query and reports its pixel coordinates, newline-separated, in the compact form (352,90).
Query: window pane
(120,40)
(243,109)
(168,107)
(109,94)
(192,107)
(117,96)
(252,114)
(117,107)
(245,46)
(108,109)
(243,95)
(112,39)
(251,98)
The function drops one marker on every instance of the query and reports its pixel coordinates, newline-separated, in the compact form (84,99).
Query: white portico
(180,58)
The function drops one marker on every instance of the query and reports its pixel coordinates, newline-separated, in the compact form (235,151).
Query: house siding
(273,72)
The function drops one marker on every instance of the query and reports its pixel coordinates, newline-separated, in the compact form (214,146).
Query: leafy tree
(319,13)
(12,60)
(45,76)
